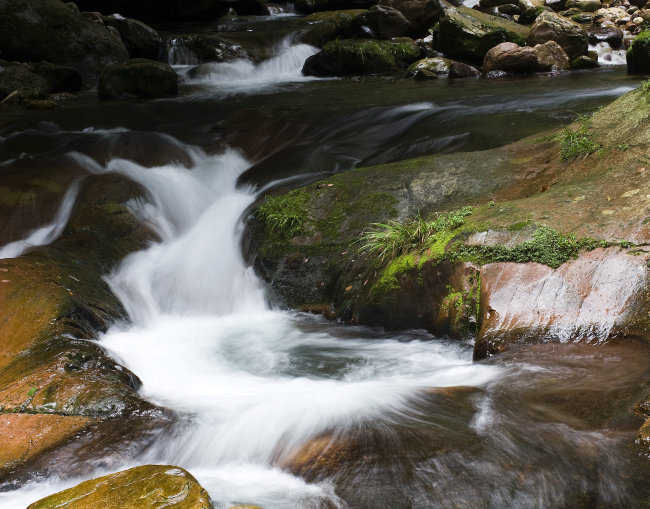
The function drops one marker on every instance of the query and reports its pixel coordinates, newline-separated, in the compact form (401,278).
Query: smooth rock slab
(593,298)
(145,487)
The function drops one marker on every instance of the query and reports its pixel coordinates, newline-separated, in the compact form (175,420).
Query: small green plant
(32,391)
(284,215)
(645,88)
(577,142)
(387,241)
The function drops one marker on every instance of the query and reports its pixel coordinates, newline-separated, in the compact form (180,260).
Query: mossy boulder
(550,26)
(37,30)
(383,22)
(145,487)
(537,217)
(362,56)
(638,55)
(138,78)
(36,80)
(329,25)
(140,39)
(469,34)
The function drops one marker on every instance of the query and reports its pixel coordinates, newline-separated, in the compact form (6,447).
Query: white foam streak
(48,233)
(243,75)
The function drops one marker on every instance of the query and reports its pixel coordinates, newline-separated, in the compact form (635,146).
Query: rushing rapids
(409,420)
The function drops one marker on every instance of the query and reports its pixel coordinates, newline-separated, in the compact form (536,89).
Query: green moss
(388,279)
(350,56)
(638,56)
(548,247)
(578,141)
(283,216)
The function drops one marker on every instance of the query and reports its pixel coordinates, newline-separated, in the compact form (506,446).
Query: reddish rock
(600,295)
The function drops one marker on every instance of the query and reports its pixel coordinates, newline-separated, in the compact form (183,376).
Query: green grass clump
(548,247)
(284,215)
(387,241)
(577,142)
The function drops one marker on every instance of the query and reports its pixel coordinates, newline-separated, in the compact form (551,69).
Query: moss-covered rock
(538,216)
(439,67)
(468,34)
(145,487)
(329,25)
(638,55)
(32,31)
(138,78)
(362,56)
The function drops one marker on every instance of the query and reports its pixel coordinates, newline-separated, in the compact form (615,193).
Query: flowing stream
(252,384)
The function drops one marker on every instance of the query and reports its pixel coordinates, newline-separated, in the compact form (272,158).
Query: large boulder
(138,78)
(140,40)
(550,26)
(36,30)
(440,68)
(469,34)
(361,56)
(329,25)
(37,80)
(422,14)
(383,22)
(145,487)
(511,57)
(638,56)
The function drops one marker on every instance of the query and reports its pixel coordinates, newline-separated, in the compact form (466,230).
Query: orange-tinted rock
(25,436)
(600,295)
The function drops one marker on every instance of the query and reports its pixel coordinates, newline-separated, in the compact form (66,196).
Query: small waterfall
(243,75)
(179,54)
(48,233)
(607,55)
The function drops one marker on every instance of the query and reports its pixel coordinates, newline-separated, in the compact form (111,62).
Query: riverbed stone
(513,58)
(362,56)
(140,78)
(141,40)
(422,14)
(144,487)
(383,22)
(198,48)
(33,31)
(469,34)
(550,26)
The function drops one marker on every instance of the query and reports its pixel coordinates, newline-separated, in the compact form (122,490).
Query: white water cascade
(250,383)
(241,76)
(607,55)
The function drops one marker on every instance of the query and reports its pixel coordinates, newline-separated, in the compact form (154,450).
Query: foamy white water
(249,382)
(48,233)
(241,76)
(607,55)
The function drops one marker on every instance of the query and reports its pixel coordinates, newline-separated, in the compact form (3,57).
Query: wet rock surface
(138,78)
(149,486)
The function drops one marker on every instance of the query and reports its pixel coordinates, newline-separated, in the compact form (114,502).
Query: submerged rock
(550,26)
(439,67)
(361,56)
(145,487)
(32,31)
(138,78)
(469,34)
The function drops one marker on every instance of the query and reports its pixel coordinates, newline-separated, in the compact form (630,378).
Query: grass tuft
(577,142)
